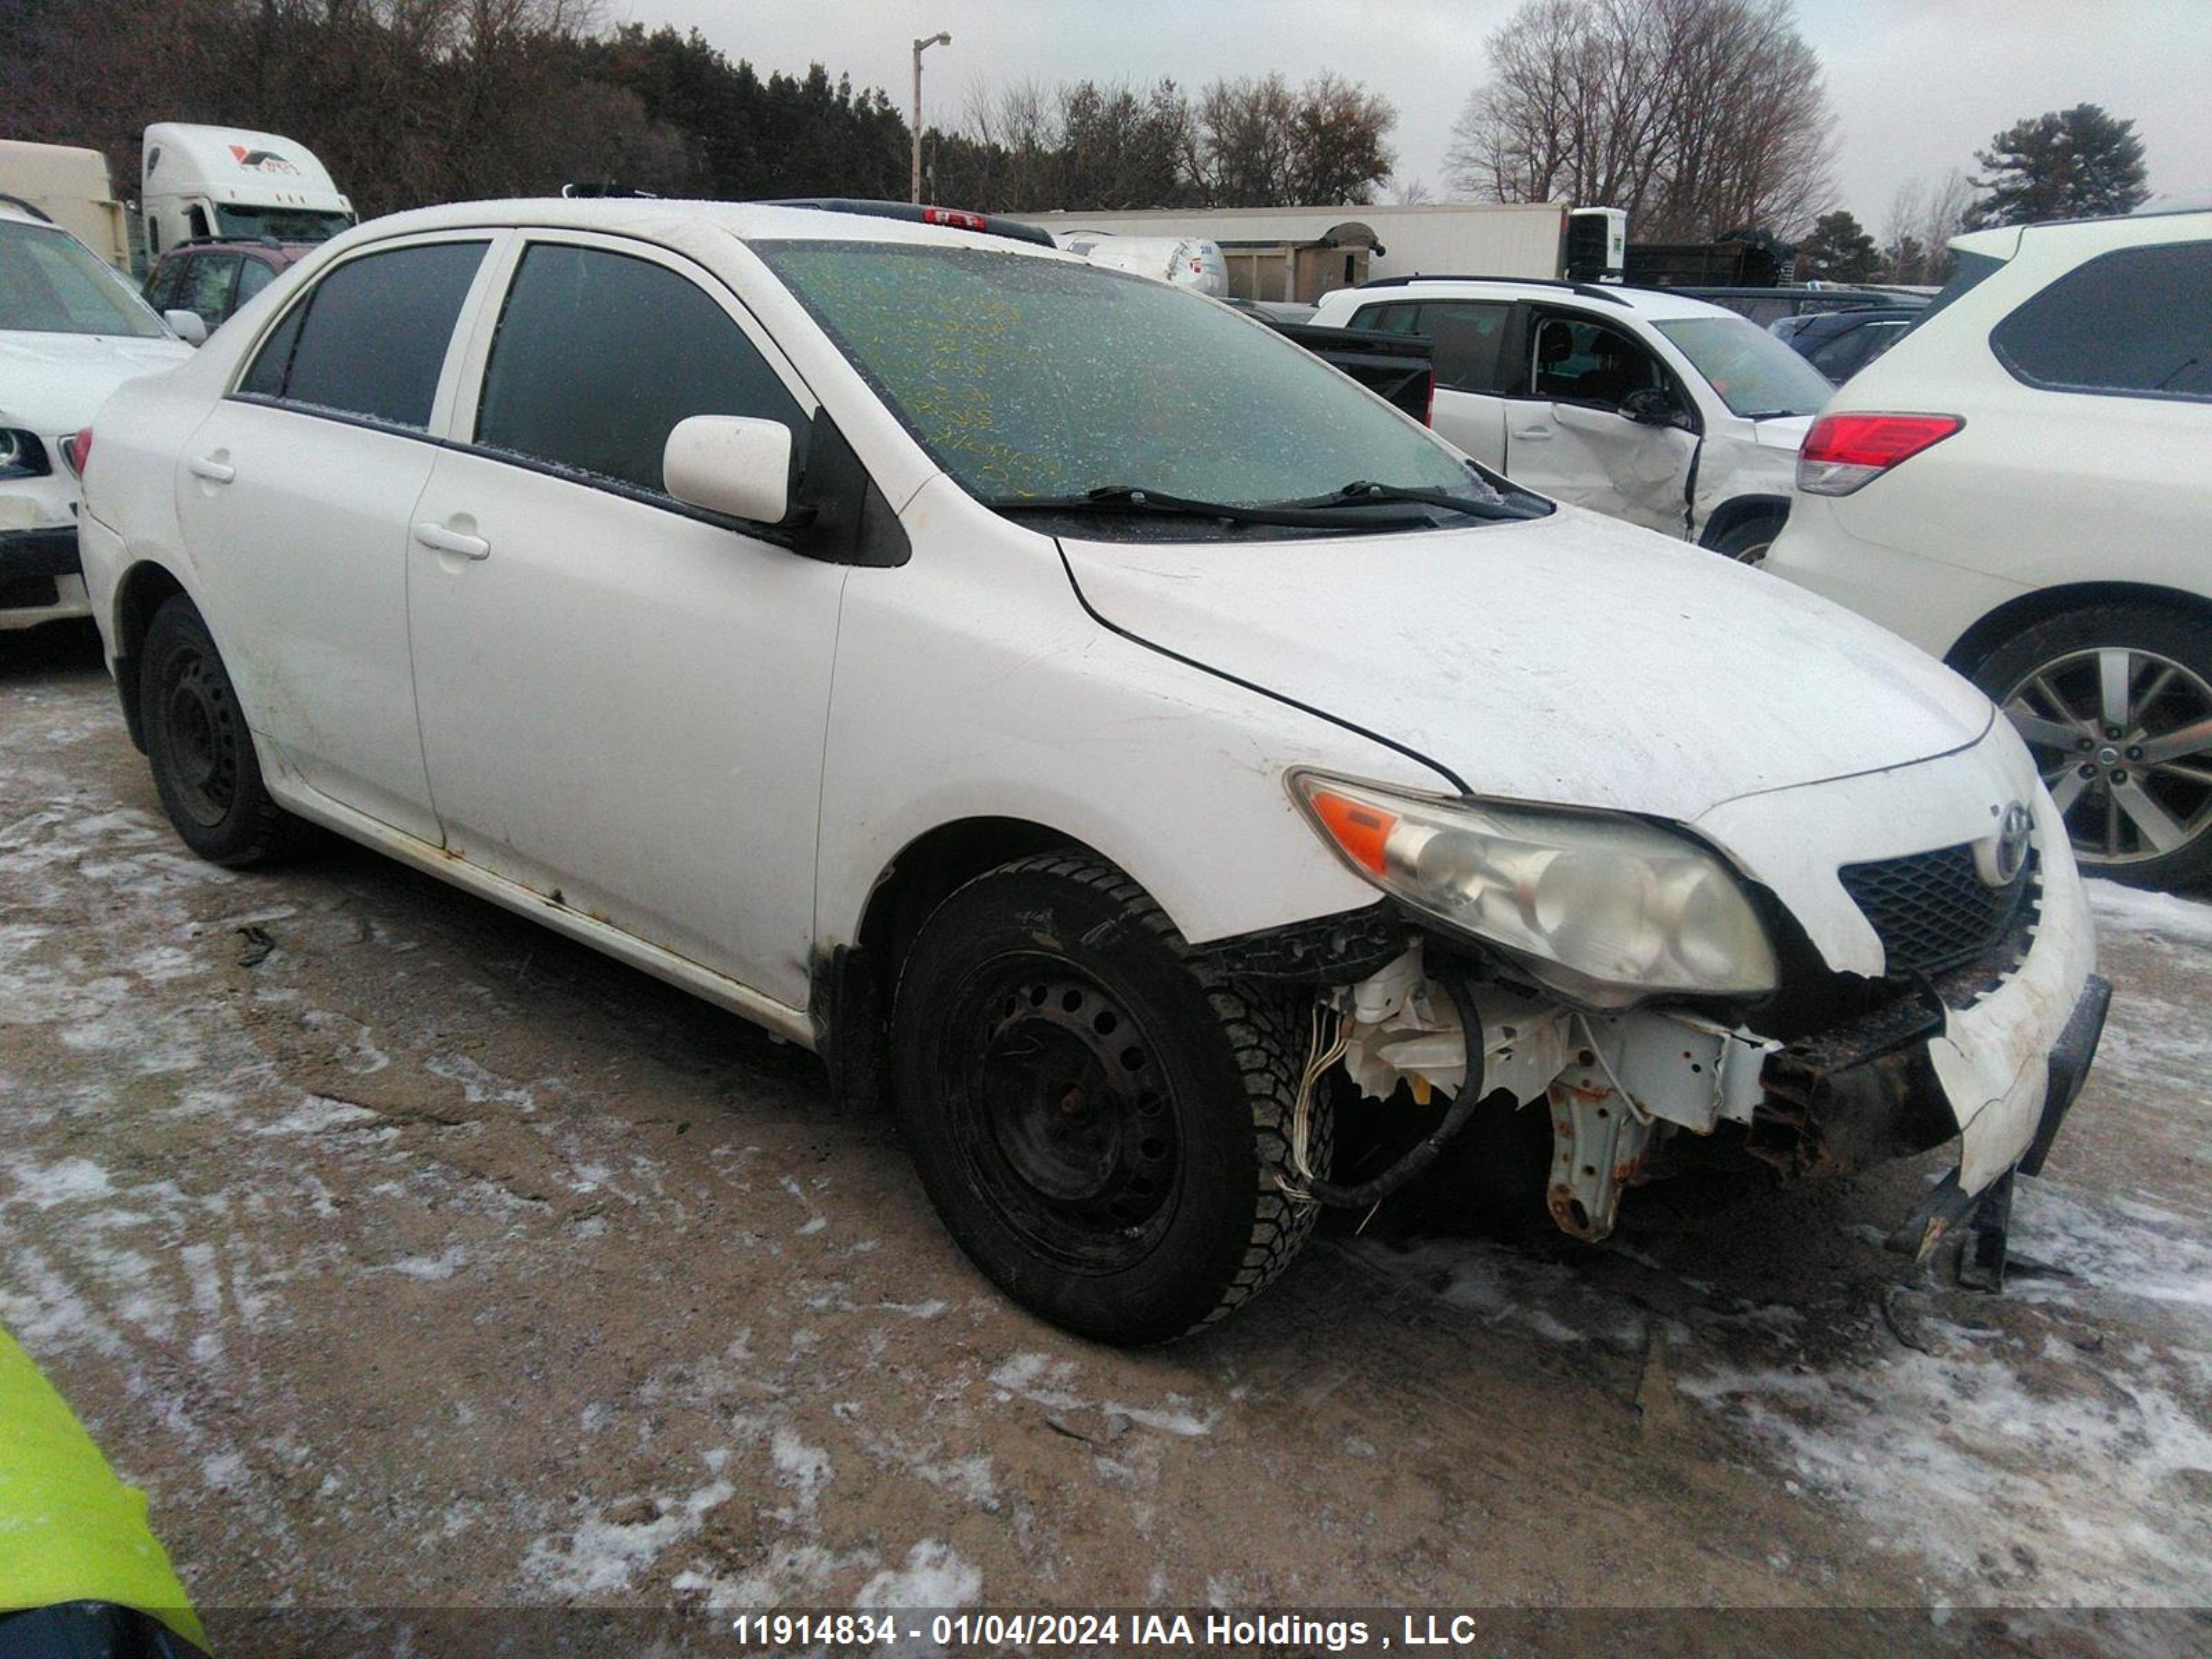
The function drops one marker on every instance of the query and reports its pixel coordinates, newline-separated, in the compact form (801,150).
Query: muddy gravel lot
(412,1257)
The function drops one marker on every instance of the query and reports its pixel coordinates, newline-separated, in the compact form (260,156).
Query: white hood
(1574,660)
(54,383)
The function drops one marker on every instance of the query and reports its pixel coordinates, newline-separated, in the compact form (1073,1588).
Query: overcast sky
(1918,84)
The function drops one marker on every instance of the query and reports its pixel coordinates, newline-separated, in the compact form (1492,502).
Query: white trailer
(230,181)
(1300,253)
(69,186)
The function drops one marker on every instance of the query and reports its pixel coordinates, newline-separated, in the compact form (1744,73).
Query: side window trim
(468,368)
(497,239)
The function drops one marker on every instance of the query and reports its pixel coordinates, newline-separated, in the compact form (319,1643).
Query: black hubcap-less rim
(2124,738)
(1061,1113)
(204,739)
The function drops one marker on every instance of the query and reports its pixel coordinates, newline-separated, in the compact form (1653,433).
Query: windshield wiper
(1129,498)
(1361,492)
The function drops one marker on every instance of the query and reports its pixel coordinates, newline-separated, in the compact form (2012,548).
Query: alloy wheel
(2124,741)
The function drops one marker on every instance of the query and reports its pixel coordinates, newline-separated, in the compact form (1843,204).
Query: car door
(295,497)
(1466,337)
(1567,437)
(624,700)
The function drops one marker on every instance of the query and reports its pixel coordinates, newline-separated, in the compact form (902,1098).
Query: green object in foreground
(69,1531)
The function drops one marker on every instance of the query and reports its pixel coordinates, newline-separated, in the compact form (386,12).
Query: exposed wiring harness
(1312,1188)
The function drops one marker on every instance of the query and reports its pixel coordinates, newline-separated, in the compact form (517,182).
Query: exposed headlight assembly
(1604,910)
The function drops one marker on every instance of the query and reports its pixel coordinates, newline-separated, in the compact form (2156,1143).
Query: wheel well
(2017,615)
(1741,509)
(853,984)
(145,587)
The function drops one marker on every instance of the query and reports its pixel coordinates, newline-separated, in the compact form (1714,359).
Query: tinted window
(1583,362)
(161,292)
(1845,355)
(1390,320)
(253,275)
(207,285)
(2138,320)
(599,356)
(1468,337)
(370,337)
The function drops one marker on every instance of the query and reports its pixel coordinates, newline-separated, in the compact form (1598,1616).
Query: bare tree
(1700,117)
(1922,220)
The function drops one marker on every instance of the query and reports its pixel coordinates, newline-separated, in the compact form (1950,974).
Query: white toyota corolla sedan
(1084,716)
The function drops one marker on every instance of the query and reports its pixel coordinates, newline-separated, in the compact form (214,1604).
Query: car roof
(1653,304)
(655,217)
(2092,235)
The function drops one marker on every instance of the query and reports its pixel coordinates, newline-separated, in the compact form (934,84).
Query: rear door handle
(215,472)
(452,541)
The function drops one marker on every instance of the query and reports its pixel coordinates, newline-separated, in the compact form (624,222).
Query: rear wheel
(2115,702)
(1747,542)
(202,752)
(1101,1119)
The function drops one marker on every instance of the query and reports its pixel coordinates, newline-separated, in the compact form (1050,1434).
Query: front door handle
(215,472)
(452,541)
(1533,434)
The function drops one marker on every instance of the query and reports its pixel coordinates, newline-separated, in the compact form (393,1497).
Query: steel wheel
(204,737)
(2122,736)
(1061,1115)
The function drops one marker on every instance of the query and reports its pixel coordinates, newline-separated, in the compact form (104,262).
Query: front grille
(1931,910)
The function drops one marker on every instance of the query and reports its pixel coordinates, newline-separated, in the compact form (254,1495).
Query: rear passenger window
(599,356)
(370,338)
(1468,337)
(2135,322)
(1389,319)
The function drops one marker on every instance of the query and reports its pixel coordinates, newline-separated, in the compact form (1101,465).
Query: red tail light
(1429,410)
(1843,452)
(958,218)
(79,450)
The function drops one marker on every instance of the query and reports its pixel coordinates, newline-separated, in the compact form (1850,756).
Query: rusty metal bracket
(1598,1145)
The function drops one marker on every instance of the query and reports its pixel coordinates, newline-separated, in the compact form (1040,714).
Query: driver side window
(1573,361)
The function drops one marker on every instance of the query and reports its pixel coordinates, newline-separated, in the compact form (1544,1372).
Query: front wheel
(2115,702)
(1101,1119)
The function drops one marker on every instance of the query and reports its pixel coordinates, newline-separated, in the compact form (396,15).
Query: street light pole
(919,47)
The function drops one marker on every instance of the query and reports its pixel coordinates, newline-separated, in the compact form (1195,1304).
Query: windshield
(51,283)
(1034,377)
(285,224)
(1755,374)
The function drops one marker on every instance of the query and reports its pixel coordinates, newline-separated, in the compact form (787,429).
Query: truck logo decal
(261,161)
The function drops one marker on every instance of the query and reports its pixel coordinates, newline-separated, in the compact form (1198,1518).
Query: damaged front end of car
(1660,1005)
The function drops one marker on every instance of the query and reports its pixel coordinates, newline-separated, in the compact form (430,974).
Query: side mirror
(730,463)
(187,325)
(1650,407)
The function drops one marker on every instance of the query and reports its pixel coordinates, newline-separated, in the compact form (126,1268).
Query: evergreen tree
(1838,250)
(2076,163)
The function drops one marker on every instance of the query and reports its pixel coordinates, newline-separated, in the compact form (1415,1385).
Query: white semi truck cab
(226,181)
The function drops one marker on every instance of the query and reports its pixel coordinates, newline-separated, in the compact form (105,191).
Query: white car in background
(1669,413)
(2022,486)
(1060,697)
(71,330)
